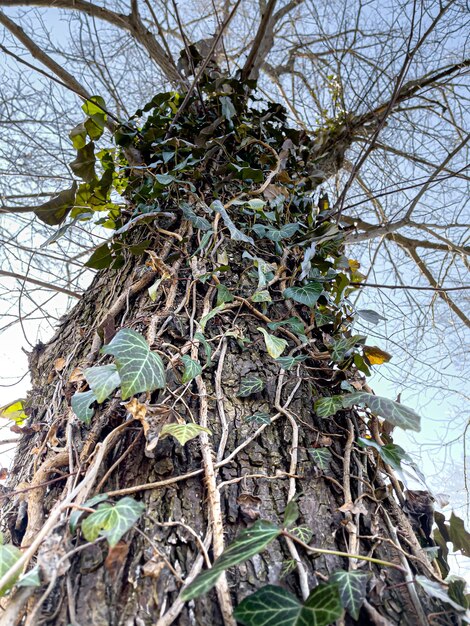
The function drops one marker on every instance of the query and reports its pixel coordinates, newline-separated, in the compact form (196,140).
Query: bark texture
(258,468)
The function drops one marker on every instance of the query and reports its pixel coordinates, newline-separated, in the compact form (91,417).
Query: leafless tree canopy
(384,84)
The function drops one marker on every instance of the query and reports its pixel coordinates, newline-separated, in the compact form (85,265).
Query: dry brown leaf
(116,559)
(3,473)
(354,508)
(59,364)
(249,506)
(77,375)
(153,568)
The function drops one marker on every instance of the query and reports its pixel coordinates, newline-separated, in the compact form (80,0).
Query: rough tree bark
(199,496)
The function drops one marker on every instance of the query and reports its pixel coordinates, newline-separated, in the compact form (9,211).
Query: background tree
(379,99)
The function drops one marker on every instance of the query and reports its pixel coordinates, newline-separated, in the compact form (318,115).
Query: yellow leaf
(375,355)
(14,411)
(354,265)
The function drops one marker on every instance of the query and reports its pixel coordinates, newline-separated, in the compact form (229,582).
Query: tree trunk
(200,495)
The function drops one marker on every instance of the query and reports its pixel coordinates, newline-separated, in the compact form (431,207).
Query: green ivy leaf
(439,591)
(249,386)
(391,453)
(199,222)
(30,579)
(223,295)
(275,606)
(306,294)
(139,368)
(371,316)
(276,234)
(294,323)
(249,542)
(111,521)
(321,457)
(352,587)
(103,380)
(183,432)
(9,554)
(77,514)
(235,233)
(165,179)
(191,369)
(394,412)
(206,318)
(274,345)
(458,535)
(207,347)
(54,211)
(288,362)
(260,417)
(329,405)
(83,165)
(261,296)
(291,514)
(341,347)
(81,402)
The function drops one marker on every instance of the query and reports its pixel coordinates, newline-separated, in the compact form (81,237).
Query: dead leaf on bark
(77,375)
(25,430)
(3,473)
(153,568)
(354,508)
(249,506)
(116,559)
(59,364)
(152,419)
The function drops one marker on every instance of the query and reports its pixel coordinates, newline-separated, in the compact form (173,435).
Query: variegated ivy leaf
(199,222)
(103,380)
(342,347)
(394,412)
(77,514)
(294,323)
(248,543)
(9,554)
(260,417)
(329,405)
(139,368)
(81,403)
(306,294)
(276,234)
(112,521)
(274,345)
(183,432)
(261,296)
(321,457)
(249,386)
(235,233)
(352,587)
(30,579)
(275,606)
(288,362)
(191,369)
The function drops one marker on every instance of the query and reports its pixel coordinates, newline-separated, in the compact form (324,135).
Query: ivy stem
(287,534)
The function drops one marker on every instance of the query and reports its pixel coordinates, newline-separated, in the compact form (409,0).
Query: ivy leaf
(260,417)
(249,386)
(394,412)
(165,179)
(276,234)
(294,323)
(183,432)
(30,579)
(291,514)
(390,453)
(235,233)
(228,110)
(261,296)
(329,405)
(306,294)
(14,411)
(191,369)
(83,165)
(199,222)
(249,542)
(376,356)
(102,380)
(9,554)
(139,368)
(352,587)
(275,606)
(54,211)
(342,347)
(288,362)
(223,295)
(371,316)
(206,318)
(458,535)
(274,345)
(77,514)
(321,457)
(207,347)
(111,521)
(81,402)
(436,590)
